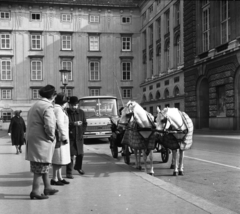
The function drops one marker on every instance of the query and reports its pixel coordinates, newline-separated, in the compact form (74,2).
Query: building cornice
(98,3)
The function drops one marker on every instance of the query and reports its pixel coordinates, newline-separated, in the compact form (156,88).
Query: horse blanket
(168,140)
(133,138)
(187,141)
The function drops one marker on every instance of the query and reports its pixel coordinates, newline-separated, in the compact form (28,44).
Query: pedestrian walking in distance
(41,124)
(77,127)
(61,154)
(16,130)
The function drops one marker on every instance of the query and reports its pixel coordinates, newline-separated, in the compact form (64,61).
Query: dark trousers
(78,164)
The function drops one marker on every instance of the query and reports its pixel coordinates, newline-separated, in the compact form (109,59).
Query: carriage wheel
(126,155)
(165,154)
(114,148)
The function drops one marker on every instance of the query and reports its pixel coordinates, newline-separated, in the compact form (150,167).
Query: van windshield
(100,107)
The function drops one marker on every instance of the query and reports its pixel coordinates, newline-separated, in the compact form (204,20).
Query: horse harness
(138,129)
(173,128)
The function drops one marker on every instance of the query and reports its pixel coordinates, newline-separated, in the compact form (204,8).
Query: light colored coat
(41,124)
(61,155)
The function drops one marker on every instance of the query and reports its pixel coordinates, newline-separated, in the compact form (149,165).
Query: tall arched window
(159,59)
(150,97)
(176,91)
(178,50)
(167,56)
(158,95)
(166,93)
(144,98)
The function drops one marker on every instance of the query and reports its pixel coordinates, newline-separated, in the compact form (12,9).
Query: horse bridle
(131,112)
(165,119)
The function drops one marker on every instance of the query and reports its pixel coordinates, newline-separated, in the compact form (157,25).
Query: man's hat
(73,100)
(47,91)
(17,112)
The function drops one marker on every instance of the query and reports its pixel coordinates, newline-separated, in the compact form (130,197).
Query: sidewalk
(3,133)
(108,187)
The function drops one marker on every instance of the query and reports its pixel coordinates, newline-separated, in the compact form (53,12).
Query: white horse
(133,112)
(172,118)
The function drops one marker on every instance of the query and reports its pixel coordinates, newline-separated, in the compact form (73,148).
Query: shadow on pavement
(17,175)
(15,183)
(14,197)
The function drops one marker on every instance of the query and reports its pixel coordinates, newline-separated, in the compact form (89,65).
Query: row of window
(177,60)
(157,29)
(66,42)
(65,17)
(166,16)
(36,69)
(225,30)
(6,93)
(176,92)
(166,82)
(153,111)
(225,15)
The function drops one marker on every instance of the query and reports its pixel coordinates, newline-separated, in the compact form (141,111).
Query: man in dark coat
(16,130)
(77,127)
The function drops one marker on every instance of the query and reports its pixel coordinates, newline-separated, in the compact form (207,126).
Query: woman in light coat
(61,154)
(41,124)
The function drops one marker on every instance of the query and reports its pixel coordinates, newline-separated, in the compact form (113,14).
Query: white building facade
(98,43)
(162,54)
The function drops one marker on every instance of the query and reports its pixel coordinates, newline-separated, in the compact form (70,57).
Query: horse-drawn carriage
(135,134)
(136,131)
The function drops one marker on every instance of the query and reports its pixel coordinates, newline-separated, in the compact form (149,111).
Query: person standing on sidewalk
(61,154)
(16,130)
(77,127)
(41,125)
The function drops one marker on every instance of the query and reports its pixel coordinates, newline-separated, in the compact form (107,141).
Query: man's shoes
(69,176)
(49,191)
(64,181)
(57,183)
(80,171)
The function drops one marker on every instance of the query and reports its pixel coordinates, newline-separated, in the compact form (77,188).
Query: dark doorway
(203,106)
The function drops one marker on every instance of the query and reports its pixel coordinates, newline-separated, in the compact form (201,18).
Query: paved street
(110,186)
(212,168)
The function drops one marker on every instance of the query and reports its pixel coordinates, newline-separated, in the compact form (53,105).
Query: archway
(203,104)
(237,98)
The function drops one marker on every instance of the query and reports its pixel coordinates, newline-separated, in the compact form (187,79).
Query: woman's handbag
(58,141)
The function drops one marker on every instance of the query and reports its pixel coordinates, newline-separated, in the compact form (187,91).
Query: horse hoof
(180,173)
(151,173)
(175,173)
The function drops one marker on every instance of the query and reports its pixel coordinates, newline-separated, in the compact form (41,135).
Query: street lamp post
(64,77)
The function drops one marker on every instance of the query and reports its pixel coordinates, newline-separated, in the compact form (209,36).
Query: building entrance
(203,104)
